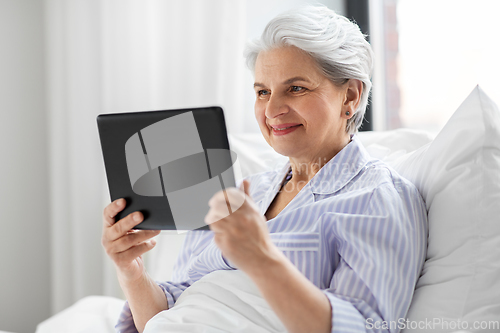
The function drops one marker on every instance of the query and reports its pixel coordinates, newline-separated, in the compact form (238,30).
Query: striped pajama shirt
(357,230)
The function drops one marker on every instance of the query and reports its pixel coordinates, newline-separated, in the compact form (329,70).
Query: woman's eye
(297,89)
(262,92)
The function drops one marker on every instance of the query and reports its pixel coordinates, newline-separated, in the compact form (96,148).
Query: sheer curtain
(106,56)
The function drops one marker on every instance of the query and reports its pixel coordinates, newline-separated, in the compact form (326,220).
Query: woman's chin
(288,150)
(283,145)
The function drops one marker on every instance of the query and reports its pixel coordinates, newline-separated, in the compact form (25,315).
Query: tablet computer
(167,164)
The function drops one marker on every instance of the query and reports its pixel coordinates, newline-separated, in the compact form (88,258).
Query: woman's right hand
(124,245)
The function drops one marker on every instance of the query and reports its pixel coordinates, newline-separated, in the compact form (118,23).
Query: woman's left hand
(242,236)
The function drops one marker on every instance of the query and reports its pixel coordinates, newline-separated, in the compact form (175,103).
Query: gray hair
(335,43)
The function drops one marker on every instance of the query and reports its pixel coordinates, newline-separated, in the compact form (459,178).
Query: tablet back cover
(167,164)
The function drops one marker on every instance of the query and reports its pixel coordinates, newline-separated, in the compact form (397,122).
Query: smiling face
(300,112)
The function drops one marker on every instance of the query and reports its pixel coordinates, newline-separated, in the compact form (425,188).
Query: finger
(123,226)
(134,252)
(217,198)
(246,187)
(130,240)
(218,203)
(215,215)
(228,200)
(217,227)
(236,199)
(111,210)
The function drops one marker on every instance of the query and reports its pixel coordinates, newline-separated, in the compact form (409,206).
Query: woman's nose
(276,107)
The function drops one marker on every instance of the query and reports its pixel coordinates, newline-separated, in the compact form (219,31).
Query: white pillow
(458,174)
(389,145)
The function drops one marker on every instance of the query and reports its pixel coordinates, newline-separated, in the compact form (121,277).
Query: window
(432,53)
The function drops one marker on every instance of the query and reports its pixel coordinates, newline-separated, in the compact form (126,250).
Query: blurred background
(63,62)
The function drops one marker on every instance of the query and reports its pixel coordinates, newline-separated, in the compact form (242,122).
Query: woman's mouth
(284,129)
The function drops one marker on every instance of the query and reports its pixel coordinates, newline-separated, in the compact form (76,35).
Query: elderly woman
(334,241)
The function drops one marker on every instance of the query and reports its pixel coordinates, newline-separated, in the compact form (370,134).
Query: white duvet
(222,301)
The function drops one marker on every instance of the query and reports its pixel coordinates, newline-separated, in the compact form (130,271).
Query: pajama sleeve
(194,244)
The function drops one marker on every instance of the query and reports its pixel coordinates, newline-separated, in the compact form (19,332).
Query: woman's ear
(353,91)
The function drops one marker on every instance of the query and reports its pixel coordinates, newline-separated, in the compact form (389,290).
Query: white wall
(25,267)
(24,235)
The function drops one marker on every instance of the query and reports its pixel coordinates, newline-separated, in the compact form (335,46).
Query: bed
(457,172)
